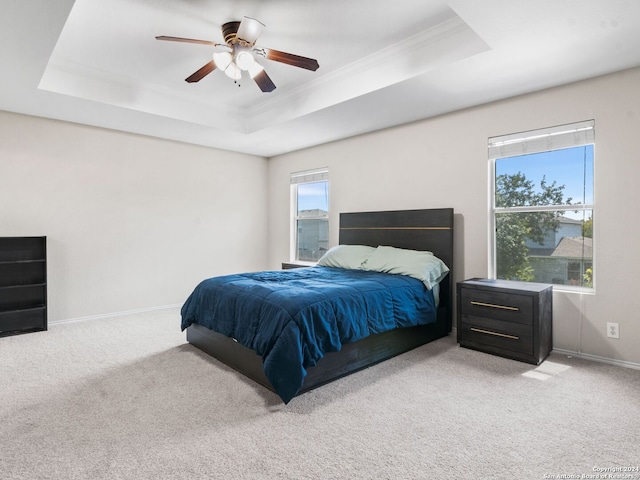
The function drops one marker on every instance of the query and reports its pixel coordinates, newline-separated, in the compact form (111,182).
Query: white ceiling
(382,63)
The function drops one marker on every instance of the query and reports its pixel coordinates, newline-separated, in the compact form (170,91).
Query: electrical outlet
(612,330)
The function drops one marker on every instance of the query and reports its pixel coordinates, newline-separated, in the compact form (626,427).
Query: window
(542,208)
(310,214)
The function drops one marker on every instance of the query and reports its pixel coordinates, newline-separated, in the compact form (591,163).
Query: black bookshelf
(23,285)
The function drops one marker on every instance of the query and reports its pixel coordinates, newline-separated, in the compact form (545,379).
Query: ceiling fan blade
(189,40)
(289,59)
(264,82)
(201,73)
(249,30)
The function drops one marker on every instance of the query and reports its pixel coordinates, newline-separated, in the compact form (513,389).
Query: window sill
(570,289)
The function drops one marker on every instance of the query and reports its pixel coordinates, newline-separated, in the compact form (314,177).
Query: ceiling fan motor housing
(229,33)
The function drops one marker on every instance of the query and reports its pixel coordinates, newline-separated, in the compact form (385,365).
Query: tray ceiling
(381,63)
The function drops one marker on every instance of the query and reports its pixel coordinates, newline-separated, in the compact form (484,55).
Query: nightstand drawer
(509,336)
(503,306)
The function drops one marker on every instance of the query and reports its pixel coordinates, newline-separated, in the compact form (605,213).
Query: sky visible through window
(571,167)
(313,195)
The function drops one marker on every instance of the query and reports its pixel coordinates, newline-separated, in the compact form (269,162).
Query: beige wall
(442,162)
(135,222)
(132,222)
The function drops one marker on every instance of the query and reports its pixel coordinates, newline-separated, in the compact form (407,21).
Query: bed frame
(430,229)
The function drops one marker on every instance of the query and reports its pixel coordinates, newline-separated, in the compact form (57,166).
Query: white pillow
(346,256)
(424,266)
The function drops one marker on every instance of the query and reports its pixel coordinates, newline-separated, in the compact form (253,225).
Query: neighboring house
(567,227)
(564,255)
(313,239)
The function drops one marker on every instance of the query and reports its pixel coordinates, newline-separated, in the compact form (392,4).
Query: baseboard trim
(596,358)
(560,351)
(115,314)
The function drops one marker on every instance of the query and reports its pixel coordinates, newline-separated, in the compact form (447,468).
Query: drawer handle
(479,330)
(491,305)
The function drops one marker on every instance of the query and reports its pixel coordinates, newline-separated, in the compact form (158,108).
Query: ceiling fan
(238,54)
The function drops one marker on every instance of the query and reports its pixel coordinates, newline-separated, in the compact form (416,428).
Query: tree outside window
(543,217)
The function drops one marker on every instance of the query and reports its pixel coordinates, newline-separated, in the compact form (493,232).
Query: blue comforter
(291,318)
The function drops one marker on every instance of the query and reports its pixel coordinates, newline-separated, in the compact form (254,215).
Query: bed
(327,360)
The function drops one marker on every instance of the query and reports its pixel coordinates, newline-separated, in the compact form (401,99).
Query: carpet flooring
(127,398)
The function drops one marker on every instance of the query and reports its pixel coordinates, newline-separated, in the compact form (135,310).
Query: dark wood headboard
(428,229)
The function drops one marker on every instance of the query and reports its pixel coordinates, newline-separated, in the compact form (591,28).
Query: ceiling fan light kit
(249,30)
(244,59)
(222,59)
(240,39)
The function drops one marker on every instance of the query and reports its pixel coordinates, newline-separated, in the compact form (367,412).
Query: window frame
(530,142)
(300,178)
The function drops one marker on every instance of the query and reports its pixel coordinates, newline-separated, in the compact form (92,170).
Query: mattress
(292,318)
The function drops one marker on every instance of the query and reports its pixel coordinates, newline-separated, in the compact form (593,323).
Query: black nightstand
(290,265)
(510,319)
